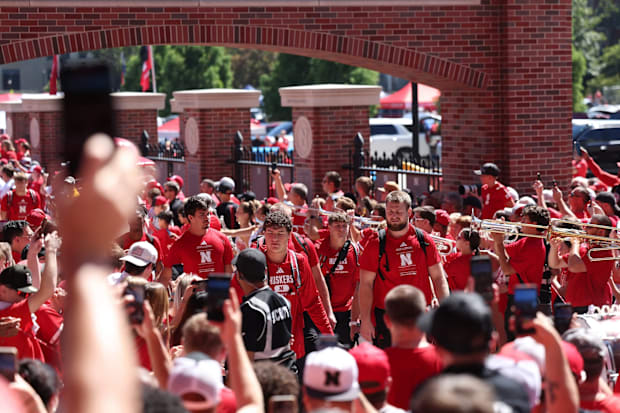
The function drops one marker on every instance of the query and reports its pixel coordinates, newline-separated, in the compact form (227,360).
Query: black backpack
(382,239)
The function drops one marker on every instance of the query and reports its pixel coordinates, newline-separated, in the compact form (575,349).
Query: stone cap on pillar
(330,95)
(138,100)
(42,102)
(14,106)
(215,99)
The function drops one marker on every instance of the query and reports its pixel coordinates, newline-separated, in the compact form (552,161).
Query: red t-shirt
(527,257)
(301,293)
(410,367)
(20,206)
(299,218)
(494,199)
(407,264)
(36,184)
(214,222)
(610,404)
(458,270)
(581,168)
(201,255)
(50,328)
(163,235)
(592,287)
(25,341)
(345,277)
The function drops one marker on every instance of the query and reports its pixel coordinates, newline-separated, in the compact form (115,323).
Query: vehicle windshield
(287,126)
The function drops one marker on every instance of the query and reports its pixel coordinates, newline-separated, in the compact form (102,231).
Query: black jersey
(266,326)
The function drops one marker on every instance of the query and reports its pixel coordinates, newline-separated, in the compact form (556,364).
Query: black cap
(462,324)
(488,169)
(472,201)
(251,263)
(247,196)
(608,198)
(18,277)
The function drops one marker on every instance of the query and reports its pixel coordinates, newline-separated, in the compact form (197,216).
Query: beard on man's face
(397,227)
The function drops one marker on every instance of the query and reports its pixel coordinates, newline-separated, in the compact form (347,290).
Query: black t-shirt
(227,210)
(507,390)
(266,326)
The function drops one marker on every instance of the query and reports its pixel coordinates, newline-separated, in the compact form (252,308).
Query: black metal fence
(169,154)
(412,172)
(253,167)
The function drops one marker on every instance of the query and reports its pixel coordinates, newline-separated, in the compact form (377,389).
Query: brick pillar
(45,128)
(136,112)
(538,91)
(326,119)
(17,120)
(209,120)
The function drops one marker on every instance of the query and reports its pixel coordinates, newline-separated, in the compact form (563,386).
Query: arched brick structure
(503,66)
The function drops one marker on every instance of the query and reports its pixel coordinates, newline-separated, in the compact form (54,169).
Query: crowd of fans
(121,293)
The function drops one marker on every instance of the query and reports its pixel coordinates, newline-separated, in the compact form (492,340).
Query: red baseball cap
(37,168)
(442,217)
(160,200)
(35,217)
(575,361)
(272,200)
(373,366)
(177,179)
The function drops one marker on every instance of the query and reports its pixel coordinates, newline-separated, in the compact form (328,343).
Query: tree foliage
(290,70)
(182,68)
(248,65)
(596,39)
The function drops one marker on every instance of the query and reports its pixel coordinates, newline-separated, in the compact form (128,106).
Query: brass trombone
(444,245)
(604,248)
(359,222)
(512,229)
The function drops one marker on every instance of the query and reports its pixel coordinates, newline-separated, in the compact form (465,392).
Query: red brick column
(538,91)
(209,121)
(17,120)
(136,112)
(45,128)
(327,118)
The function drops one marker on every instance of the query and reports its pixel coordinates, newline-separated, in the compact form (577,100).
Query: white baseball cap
(141,254)
(331,374)
(196,373)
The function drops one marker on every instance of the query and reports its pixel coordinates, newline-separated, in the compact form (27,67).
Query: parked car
(393,136)
(601,138)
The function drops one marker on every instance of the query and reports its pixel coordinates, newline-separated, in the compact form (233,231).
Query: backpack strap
(301,242)
(295,268)
(342,254)
(382,241)
(420,236)
(33,196)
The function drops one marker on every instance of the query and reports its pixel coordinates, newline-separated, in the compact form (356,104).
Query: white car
(393,136)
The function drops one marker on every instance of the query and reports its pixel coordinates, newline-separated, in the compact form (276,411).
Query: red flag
(54,75)
(147,59)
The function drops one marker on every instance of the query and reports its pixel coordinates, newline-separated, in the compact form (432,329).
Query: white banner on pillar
(35,133)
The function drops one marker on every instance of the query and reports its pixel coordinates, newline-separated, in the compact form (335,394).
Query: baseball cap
(247,196)
(442,217)
(225,184)
(461,324)
(18,277)
(35,217)
(488,169)
(160,200)
(373,367)
(331,374)
(177,179)
(196,373)
(37,168)
(141,254)
(70,180)
(575,361)
(251,263)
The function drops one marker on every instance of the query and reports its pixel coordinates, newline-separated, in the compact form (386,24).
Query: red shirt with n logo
(201,255)
(407,264)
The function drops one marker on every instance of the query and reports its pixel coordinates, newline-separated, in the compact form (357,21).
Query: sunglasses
(23,294)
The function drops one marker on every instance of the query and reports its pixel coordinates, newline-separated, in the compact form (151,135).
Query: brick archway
(504,66)
(399,61)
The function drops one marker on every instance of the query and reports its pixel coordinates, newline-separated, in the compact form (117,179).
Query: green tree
(182,68)
(248,65)
(579,71)
(290,70)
